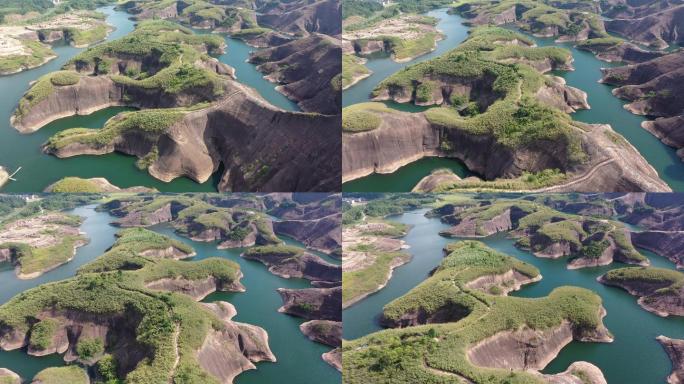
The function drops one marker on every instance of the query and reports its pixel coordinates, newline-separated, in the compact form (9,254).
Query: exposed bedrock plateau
(653,89)
(658,290)
(657,29)
(258,145)
(324,234)
(312,303)
(675,350)
(666,244)
(305,69)
(229,351)
(197,289)
(402,138)
(303,16)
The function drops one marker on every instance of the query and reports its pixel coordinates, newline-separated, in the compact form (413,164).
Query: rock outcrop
(675,350)
(659,290)
(435,180)
(197,289)
(579,372)
(403,138)
(657,29)
(303,149)
(231,131)
(652,87)
(524,349)
(95,184)
(328,333)
(666,244)
(304,70)
(619,51)
(302,17)
(9,377)
(233,349)
(290,262)
(4,176)
(324,234)
(312,303)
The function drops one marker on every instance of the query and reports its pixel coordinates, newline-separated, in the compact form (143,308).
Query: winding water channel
(634,357)
(299,359)
(40,170)
(605,109)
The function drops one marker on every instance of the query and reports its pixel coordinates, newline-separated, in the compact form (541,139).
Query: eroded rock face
(471,227)
(312,303)
(334,358)
(652,296)
(4,176)
(524,349)
(305,69)
(623,52)
(323,331)
(303,17)
(656,29)
(328,333)
(675,350)
(505,283)
(652,87)
(666,244)
(403,138)
(235,132)
(234,349)
(163,214)
(105,186)
(305,266)
(323,234)
(450,313)
(72,326)
(9,377)
(579,372)
(197,289)
(435,180)
(529,349)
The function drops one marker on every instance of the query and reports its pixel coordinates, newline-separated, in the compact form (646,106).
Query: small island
(675,350)
(92,185)
(40,243)
(405,36)
(372,249)
(547,232)
(24,44)
(659,290)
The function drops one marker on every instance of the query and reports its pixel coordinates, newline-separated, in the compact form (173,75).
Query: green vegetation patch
(671,281)
(363,117)
(42,334)
(75,185)
(358,283)
(466,261)
(126,253)
(150,122)
(72,374)
(352,68)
